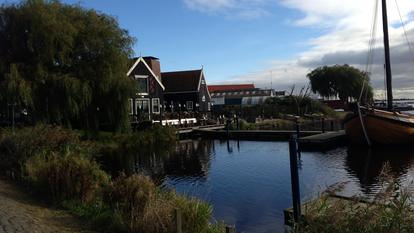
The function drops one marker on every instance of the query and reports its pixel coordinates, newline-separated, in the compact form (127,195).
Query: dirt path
(21,213)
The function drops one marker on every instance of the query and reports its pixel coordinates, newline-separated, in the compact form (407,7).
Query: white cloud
(347,26)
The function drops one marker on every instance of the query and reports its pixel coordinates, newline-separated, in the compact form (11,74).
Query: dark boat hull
(382,127)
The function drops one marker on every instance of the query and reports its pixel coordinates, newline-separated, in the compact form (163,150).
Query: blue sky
(226,45)
(245,41)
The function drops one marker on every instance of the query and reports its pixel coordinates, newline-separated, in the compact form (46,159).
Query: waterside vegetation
(389,211)
(62,168)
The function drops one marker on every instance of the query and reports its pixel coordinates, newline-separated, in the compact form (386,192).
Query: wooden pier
(322,141)
(252,135)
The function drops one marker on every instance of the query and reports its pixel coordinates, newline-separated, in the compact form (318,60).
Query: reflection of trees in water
(367,163)
(190,158)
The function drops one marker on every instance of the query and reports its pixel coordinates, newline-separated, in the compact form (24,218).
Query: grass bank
(391,211)
(60,165)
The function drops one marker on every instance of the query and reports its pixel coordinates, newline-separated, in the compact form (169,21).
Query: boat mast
(387,56)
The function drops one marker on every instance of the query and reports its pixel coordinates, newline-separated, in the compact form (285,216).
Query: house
(146,103)
(240,94)
(186,91)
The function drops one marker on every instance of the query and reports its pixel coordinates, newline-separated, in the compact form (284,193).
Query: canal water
(248,182)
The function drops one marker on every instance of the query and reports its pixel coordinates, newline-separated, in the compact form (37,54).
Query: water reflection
(367,163)
(248,182)
(189,159)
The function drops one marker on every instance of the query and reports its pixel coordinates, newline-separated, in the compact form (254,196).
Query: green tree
(342,81)
(73,61)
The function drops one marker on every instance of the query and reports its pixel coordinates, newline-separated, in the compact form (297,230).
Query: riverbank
(20,212)
(61,167)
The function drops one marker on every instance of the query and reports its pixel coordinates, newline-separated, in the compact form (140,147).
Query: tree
(73,61)
(342,81)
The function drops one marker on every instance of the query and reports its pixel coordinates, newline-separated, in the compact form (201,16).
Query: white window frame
(142,99)
(208,106)
(143,77)
(189,105)
(131,104)
(152,105)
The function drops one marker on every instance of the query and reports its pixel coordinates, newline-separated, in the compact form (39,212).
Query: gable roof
(182,81)
(235,87)
(141,59)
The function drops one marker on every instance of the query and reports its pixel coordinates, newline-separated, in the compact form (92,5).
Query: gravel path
(21,213)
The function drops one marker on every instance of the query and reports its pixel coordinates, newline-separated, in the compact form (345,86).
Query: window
(189,105)
(142,84)
(204,98)
(142,106)
(131,106)
(203,81)
(156,105)
(208,106)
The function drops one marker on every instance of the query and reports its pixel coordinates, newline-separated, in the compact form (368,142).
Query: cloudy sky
(266,41)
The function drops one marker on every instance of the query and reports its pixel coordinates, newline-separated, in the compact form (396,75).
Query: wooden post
(297,128)
(332,125)
(323,124)
(178,221)
(294,177)
(230,229)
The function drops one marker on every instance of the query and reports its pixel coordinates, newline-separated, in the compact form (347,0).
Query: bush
(66,177)
(16,148)
(144,208)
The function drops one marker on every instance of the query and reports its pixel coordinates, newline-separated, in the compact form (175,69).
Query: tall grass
(391,211)
(60,166)
(67,176)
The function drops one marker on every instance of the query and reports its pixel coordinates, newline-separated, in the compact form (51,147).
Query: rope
(363,125)
(371,47)
(405,31)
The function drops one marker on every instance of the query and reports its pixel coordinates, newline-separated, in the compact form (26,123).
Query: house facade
(146,103)
(186,91)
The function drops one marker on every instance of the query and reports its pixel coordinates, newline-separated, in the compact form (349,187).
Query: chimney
(154,64)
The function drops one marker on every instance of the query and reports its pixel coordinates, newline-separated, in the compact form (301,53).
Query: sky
(271,43)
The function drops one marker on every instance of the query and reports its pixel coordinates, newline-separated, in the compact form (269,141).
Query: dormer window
(142,84)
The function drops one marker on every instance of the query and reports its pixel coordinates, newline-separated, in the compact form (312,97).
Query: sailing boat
(386,127)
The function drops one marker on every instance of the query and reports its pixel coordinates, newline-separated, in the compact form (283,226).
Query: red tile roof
(236,87)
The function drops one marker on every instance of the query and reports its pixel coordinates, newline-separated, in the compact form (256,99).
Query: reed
(390,211)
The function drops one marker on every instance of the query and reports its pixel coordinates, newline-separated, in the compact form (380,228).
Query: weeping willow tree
(64,64)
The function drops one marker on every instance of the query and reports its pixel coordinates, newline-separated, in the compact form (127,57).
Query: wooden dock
(251,135)
(327,200)
(322,141)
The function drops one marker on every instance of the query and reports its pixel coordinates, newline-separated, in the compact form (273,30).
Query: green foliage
(16,148)
(60,166)
(144,208)
(277,107)
(64,64)
(196,214)
(341,81)
(65,177)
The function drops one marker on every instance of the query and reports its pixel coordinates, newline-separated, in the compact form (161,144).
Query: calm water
(248,183)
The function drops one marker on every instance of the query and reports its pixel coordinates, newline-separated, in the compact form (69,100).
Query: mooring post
(294,177)
(230,229)
(178,221)
(323,124)
(297,128)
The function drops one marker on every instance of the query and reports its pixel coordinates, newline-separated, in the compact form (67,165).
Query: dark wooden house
(146,103)
(186,91)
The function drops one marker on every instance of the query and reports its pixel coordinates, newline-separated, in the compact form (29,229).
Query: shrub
(16,148)
(65,177)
